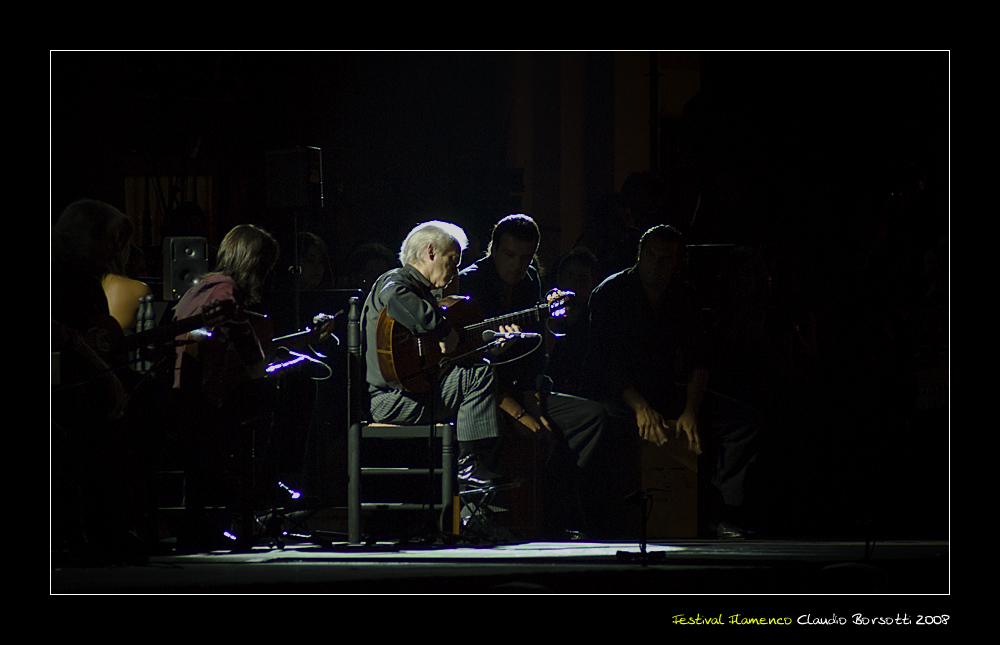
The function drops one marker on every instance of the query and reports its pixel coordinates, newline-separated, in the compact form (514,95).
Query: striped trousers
(467,394)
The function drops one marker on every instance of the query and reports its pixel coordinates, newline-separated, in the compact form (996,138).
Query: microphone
(489,335)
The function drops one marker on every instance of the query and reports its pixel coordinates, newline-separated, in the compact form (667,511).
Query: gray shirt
(408,298)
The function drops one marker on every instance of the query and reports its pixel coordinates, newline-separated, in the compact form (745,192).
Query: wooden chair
(445,507)
(361,430)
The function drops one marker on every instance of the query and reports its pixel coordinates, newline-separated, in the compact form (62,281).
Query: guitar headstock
(323,326)
(559,302)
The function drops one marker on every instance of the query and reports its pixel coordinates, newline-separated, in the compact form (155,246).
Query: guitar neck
(532,315)
(163,333)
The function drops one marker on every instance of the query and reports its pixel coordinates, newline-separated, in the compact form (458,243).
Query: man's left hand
(507,344)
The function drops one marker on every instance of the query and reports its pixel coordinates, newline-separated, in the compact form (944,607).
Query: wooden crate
(670,474)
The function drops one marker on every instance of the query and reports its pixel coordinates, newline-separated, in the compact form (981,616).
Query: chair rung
(397,506)
(399,471)
(444,471)
(372,431)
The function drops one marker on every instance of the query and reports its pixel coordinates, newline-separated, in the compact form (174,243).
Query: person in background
(506,281)
(651,353)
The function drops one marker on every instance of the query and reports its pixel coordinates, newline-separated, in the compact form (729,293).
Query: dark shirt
(410,301)
(483,283)
(637,343)
(569,361)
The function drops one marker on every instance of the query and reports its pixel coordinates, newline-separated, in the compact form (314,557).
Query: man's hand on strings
(507,344)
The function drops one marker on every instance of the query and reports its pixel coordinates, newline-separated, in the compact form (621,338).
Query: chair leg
(354,483)
(449,500)
(449,505)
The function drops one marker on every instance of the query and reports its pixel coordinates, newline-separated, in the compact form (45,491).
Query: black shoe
(472,474)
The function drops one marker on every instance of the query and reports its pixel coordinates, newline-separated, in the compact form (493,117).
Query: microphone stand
(644,557)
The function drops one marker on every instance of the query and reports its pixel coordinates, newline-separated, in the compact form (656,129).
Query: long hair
(93,236)
(247,255)
(440,234)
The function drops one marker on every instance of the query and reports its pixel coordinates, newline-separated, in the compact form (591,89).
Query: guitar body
(221,360)
(410,360)
(105,336)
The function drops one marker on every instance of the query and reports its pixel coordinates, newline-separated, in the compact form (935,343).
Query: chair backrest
(358,404)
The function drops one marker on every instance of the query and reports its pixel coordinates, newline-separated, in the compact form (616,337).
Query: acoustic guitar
(411,361)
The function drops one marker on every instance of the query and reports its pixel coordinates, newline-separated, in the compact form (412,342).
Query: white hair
(439,234)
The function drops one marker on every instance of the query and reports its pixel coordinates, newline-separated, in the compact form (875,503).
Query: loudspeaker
(185,261)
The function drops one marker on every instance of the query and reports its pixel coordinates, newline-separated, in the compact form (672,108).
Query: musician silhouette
(214,401)
(92,438)
(505,281)
(651,351)
(407,297)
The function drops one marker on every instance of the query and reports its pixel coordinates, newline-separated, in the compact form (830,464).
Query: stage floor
(576,567)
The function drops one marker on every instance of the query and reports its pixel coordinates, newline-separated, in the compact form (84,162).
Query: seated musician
(507,282)
(88,239)
(650,349)
(430,255)
(244,260)
(219,374)
(92,439)
(213,375)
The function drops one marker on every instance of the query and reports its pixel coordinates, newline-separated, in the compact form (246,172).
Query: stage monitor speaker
(185,261)
(295,178)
